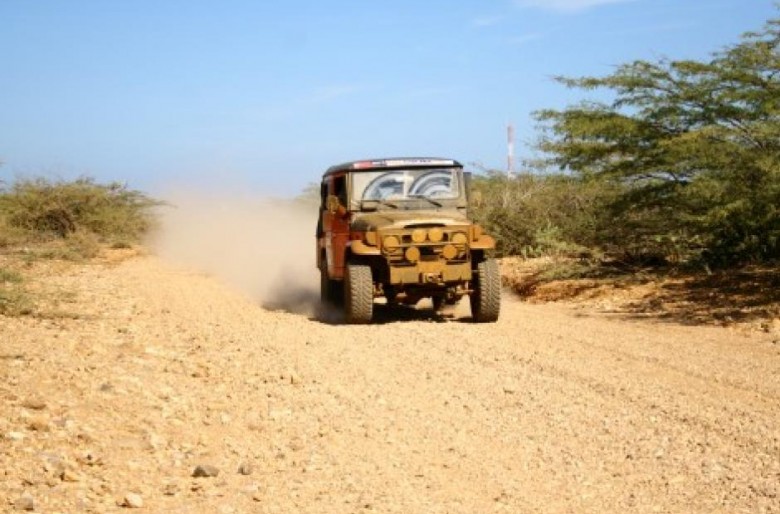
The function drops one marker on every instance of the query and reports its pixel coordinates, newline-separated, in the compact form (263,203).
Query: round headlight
(459,238)
(435,234)
(371,238)
(449,252)
(418,235)
(391,242)
(412,254)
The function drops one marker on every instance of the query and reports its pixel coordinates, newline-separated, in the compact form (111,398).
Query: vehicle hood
(405,219)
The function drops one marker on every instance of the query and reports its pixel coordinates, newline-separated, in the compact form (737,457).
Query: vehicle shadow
(393,313)
(388,313)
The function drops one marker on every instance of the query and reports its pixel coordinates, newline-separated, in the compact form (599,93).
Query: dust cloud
(263,247)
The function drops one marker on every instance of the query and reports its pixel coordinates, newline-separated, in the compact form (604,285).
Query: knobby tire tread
(359,292)
(486,299)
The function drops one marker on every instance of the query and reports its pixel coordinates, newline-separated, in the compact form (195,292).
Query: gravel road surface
(148,374)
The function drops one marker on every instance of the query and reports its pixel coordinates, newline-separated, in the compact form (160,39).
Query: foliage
(11,235)
(693,147)
(77,214)
(535,215)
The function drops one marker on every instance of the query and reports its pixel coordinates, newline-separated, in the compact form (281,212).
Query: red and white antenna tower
(510,150)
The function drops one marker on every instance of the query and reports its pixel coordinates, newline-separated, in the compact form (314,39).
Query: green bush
(541,215)
(693,145)
(80,213)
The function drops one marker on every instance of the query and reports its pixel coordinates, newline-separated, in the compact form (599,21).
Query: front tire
(486,298)
(358,294)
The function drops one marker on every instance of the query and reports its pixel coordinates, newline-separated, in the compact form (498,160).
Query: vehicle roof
(394,162)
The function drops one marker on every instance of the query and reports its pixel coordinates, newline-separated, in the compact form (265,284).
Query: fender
(484,242)
(358,247)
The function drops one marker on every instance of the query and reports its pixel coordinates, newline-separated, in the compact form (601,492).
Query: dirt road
(147,371)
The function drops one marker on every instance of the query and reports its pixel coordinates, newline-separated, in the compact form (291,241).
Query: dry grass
(44,220)
(14,298)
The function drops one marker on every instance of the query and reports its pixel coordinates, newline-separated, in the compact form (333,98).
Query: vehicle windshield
(397,185)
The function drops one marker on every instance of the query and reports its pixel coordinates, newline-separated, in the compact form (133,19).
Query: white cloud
(568,6)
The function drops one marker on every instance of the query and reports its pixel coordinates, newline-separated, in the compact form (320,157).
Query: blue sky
(265,95)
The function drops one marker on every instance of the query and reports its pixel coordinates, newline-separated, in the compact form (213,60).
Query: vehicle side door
(335,221)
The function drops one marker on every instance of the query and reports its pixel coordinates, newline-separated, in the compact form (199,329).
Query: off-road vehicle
(399,229)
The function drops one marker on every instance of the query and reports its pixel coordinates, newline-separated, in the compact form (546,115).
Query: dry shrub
(45,219)
(10,235)
(553,215)
(14,300)
(38,209)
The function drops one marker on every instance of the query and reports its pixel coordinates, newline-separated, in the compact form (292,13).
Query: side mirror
(335,206)
(332,204)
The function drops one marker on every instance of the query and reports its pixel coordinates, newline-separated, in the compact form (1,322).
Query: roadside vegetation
(682,167)
(66,220)
(679,173)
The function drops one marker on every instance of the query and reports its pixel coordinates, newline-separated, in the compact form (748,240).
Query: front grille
(429,251)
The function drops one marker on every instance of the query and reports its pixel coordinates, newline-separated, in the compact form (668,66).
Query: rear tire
(358,294)
(486,298)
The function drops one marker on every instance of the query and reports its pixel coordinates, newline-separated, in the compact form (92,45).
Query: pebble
(245,469)
(38,424)
(53,463)
(205,470)
(15,436)
(90,459)
(68,475)
(170,489)
(34,404)
(133,501)
(25,503)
